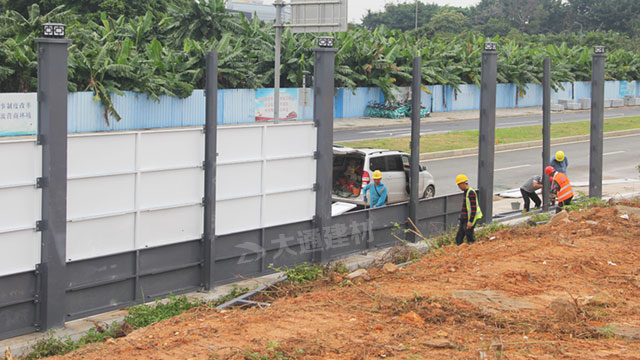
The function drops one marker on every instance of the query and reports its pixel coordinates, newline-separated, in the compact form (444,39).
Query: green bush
(301,273)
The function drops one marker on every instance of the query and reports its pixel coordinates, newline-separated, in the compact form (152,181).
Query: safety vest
(478,211)
(565,191)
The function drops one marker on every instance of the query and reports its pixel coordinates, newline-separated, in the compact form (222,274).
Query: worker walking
(560,187)
(559,162)
(528,191)
(377,189)
(470,212)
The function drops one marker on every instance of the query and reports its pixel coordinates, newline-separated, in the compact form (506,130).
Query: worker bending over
(560,187)
(528,191)
(470,212)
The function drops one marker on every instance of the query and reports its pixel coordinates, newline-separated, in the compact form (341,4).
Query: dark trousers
(530,195)
(561,204)
(464,232)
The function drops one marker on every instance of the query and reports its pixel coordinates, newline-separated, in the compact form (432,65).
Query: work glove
(365,198)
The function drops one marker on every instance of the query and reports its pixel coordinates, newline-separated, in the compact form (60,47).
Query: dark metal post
(52,134)
(546,130)
(597,122)
(210,161)
(486,146)
(323,89)
(414,170)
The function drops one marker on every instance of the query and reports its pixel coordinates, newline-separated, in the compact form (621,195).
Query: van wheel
(429,192)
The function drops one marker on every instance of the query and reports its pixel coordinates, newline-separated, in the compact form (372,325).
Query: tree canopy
(499,17)
(164,54)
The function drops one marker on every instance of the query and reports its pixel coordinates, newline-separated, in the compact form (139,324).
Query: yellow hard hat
(461,178)
(377,175)
(560,155)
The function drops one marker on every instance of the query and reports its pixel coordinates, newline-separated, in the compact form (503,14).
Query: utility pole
(486,146)
(52,135)
(414,161)
(546,130)
(279,4)
(323,88)
(597,122)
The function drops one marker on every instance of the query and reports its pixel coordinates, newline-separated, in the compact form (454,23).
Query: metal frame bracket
(41,182)
(41,225)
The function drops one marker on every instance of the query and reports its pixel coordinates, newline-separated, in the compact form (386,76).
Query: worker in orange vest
(560,186)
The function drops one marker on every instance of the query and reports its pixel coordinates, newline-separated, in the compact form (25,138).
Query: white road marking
(613,153)
(380,131)
(520,123)
(512,167)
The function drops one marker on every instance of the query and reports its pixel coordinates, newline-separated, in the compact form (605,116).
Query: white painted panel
(239,143)
(101,154)
(170,226)
(98,237)
(19,251)
(173,187)
(289,207)
(103,195)
(19,207)
(20,162)
(290,174)
(289,140)
(171,149)
(238,180)
(237,215)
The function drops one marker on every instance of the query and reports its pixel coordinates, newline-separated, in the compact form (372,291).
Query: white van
(352,170)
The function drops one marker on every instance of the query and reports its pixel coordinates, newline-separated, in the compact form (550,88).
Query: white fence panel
(265,175)
(20,205)
(132,190)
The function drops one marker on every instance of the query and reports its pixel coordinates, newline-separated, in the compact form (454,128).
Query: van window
(394,163)
(377,163)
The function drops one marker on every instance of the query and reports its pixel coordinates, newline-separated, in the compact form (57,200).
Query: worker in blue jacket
(377,189)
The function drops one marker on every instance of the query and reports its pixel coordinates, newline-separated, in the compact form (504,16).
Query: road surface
(446,126)
(512,168)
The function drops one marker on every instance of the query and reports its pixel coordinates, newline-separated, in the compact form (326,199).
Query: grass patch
(301,273)
(469,138)
(582,201)
(139,316)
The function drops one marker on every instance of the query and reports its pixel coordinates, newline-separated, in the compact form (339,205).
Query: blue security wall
(237,106)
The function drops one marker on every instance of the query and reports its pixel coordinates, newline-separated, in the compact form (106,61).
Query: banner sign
(18,114)
(288,104)
(627,88)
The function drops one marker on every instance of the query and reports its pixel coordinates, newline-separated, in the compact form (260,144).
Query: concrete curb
(522,145)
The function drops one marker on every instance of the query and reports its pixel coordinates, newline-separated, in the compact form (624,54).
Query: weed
(144,315)
(234,293)
(538,217)
(301,273)
(582,201)
(490,229)
(273,351)
(607,331)
(139,316)
(339,268)
(52,346)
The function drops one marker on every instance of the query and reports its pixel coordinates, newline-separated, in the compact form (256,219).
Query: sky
(358,8)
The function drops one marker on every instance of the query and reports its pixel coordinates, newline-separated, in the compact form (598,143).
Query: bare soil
(565,291)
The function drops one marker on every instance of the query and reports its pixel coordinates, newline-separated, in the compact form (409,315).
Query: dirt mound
(553,291)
